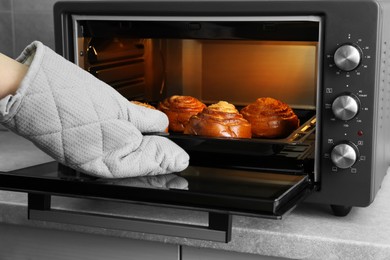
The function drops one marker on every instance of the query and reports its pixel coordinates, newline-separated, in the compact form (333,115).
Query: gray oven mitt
(85,124)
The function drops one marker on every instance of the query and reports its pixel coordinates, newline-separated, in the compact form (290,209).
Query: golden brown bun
(270,118)
(179,109)
(219,120)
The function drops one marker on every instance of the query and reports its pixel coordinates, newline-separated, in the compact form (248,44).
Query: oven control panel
(348,95)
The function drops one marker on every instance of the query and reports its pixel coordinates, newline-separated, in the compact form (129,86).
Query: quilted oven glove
(85,124)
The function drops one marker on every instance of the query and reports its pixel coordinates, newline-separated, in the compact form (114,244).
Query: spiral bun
(179,109)
(219,120)
(270,118)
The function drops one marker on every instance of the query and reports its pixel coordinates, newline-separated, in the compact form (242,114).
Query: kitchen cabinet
(192,253)
(20,243)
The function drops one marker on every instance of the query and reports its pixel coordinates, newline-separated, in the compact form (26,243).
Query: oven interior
(213,59)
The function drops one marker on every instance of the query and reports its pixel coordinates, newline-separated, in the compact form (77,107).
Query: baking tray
(296,137)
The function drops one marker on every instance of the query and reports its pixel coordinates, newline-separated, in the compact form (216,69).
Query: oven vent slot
(384,98)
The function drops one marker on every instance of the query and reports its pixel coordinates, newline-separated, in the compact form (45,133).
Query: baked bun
(270,118)
(142,104)
(179,109)
(219,120)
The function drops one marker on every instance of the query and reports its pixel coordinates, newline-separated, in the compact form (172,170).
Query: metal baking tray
(296,137)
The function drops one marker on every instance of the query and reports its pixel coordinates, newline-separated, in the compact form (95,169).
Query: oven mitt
(84,123)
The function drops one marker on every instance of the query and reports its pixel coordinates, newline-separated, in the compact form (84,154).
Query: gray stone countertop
(309,232)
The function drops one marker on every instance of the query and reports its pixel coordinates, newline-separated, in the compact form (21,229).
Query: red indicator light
(360,133)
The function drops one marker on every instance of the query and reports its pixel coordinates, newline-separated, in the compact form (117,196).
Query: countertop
(309,232)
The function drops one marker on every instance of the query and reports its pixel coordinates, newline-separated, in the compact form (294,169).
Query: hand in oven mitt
(85,124)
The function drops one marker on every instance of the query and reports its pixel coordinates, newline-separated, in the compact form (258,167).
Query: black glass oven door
(228,191)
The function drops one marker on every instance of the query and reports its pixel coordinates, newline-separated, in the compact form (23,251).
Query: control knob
(347,57)
(345,107)
(344,155)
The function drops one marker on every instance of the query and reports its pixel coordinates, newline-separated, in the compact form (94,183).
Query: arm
(11,74)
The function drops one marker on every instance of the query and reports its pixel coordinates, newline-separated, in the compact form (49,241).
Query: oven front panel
(204,38)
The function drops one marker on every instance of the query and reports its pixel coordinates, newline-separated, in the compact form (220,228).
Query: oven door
(230,191)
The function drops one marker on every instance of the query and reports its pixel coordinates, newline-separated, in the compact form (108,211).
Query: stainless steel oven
(328,60)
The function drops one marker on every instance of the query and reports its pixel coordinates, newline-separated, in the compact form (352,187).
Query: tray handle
(218,229)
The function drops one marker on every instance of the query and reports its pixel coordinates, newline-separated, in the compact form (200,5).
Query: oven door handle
(219,228)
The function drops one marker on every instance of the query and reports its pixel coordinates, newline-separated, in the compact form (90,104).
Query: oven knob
(344,155)
(347,57)
(345,107)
